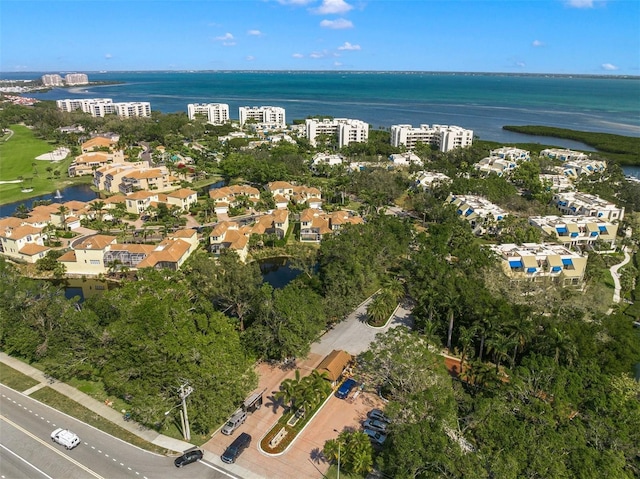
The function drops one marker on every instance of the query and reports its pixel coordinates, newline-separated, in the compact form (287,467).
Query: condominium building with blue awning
(539,262)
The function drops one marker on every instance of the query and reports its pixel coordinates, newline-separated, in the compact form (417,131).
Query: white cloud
(609,67)
(297,55)
(338,24)
(337,64)
(225,38)
(332,7)
(521,64)
(537,43)
(349,46)
(254,33)
(108,56)
(250,58)
(317,54)
(581,3)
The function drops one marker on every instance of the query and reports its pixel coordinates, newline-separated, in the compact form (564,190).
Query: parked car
(378,415)
(234,422)
(65,438)
(375,436)
(345,388)
(375,425)
(234,450)
(188,457)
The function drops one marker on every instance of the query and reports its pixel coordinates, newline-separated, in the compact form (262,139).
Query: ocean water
(481,102)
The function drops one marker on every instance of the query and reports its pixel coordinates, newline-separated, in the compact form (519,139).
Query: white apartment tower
(100,107)
(52,80)
(76,79)
(347,130)
(444,137)
(216,113)
(133,108)
(272,116)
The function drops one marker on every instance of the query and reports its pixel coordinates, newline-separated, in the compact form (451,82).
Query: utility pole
(184,392)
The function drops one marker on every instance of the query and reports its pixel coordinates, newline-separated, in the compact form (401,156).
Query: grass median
(15,379)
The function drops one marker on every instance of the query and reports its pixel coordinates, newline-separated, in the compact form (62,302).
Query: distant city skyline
(588,37)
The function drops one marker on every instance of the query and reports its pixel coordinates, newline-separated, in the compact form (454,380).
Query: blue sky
(526,36)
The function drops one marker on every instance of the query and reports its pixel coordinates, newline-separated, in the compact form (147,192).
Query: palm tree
(97,207)
(499,345)
(62,211)
(289,388)
(466,342)
(562,344)
(359,458)
(394,288)
(378,309)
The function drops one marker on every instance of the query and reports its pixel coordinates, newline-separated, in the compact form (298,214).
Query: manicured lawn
(20,151)
(74,409)
(17,156)
(15,379)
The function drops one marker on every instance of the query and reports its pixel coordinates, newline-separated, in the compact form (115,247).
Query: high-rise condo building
(216,113)
(443,137)
(76,79)
(52,80)
(347,130)
(100,107)
(272,116)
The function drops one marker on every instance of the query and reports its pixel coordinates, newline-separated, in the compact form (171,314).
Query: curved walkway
(616,276)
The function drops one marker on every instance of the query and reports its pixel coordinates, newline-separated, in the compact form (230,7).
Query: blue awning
(459,212)
(603,229)
(515,263)
(499,217)
(561,229)
(594,233)
(567,261)
(599,215)
(532,270)
(573,235)
(556,268)
(469,211)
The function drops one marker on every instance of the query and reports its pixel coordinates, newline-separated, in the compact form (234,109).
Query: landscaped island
(624,149)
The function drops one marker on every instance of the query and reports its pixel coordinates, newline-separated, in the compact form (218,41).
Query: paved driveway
(354,335)
(304,457)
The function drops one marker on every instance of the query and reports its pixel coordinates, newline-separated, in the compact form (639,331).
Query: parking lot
(304,457)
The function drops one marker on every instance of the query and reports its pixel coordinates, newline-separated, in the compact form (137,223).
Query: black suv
(188,457)
(235,449)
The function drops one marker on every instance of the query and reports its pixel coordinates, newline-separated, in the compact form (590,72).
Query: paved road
(354,335)
(25,428)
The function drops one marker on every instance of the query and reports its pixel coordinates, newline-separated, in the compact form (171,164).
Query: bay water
(483,103)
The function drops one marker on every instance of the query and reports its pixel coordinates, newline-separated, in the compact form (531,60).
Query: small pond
(77,192)
(278,272)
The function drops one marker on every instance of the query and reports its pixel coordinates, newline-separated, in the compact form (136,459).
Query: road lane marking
(47,445)
(25,461)
(222,471)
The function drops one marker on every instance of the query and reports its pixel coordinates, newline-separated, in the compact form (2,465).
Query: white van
(65,438)
(235,422)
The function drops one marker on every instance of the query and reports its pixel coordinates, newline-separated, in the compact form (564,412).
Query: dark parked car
(375,436)
(378,415)
(375,425)
(345,388)
(235,448)
(188,457)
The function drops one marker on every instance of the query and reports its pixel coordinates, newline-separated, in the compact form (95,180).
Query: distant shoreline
(343,72)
